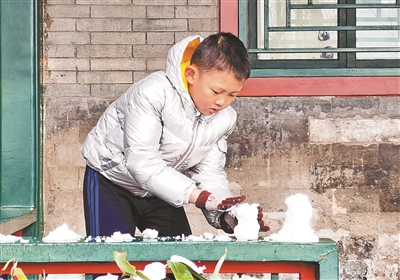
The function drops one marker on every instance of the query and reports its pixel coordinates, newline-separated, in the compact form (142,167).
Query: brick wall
(94,49)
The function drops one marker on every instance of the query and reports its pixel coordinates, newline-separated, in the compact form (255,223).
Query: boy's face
(212,91)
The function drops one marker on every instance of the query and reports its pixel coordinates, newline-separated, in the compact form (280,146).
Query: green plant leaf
(7,263)
(180,271)
(123,264)
(15,271)
(219,264)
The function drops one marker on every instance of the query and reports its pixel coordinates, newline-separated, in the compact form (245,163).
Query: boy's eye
(215,91)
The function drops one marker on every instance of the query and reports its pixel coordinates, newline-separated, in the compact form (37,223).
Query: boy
(162,144)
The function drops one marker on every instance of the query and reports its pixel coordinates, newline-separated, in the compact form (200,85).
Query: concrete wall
(344,153)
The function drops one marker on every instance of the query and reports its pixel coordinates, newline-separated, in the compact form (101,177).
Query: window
(326,37)
(319,47)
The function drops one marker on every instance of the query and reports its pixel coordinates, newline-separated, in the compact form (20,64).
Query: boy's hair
(223,51)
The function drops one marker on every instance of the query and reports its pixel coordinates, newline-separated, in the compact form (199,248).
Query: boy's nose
(220,101)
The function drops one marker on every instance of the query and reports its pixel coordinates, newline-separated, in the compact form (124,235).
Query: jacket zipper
(189,149)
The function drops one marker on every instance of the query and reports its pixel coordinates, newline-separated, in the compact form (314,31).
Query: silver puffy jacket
(152,140)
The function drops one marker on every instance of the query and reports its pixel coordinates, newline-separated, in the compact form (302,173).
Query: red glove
(260,220)
(208,201)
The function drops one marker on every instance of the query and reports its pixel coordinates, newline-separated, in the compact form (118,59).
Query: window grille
(324,37)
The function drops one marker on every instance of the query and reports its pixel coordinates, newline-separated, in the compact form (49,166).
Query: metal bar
(288,22)
(333,28)
(317,50)
(266,24)
(242,21)
(344,6)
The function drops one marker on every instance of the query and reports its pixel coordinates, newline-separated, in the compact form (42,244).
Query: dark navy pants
(110,208)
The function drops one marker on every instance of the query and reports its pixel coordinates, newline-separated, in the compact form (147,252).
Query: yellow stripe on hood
(187,56)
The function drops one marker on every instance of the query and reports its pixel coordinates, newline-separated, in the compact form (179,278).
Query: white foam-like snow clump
(296,227)
(9,238)
(248,226)
(154,271)
(62,234)
(192,265)
(150,233)
(109,276)
(119,237)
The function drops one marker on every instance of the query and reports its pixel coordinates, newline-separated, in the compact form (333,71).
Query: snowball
(248,226)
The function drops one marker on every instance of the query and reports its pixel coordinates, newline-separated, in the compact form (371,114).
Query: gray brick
(138,75)
(203,2)
(68,11)
(118,64)
(60,51)
(159,2)
(60,25)
(181,35)
(159,24)
(67,90)
(196,25)
(67,38)
(61,77)
(104,51)
(67,64)
(103,25)
(105,77)
(160,12)
(59,2)
(154,64)
(112,90)
(125,11)
(101,2)
(150,51)
(196,12)
(160,38)
(118,38)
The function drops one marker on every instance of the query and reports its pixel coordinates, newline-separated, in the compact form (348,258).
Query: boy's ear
(190,73)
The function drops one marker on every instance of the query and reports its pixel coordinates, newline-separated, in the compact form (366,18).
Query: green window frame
(344,63)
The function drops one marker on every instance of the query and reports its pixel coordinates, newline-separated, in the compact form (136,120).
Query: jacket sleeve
(142,132)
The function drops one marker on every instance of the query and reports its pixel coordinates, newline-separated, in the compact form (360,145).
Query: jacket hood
(178,59)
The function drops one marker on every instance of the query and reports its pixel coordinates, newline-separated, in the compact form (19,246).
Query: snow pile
(9,238)
(248,226)
(119,237)
(150,234)
(154,271)
(297,226)
(62,234)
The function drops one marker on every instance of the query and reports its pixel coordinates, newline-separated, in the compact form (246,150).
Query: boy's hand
(208,201)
